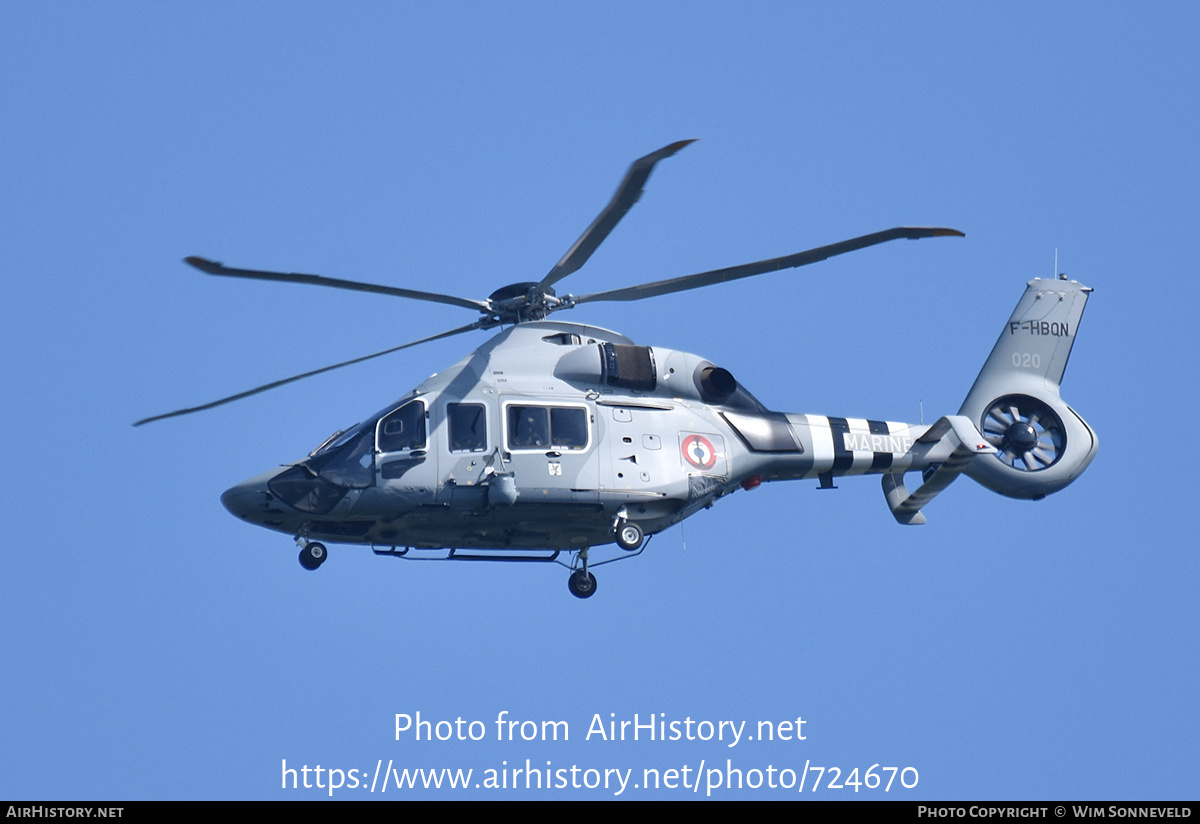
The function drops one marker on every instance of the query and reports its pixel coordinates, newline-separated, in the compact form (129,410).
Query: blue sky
(158,648)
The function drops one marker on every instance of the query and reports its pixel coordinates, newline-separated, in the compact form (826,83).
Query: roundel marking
(699,452)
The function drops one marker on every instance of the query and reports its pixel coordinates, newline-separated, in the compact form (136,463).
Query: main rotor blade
(294,378)
(663,287)
(628,193)
(214,268)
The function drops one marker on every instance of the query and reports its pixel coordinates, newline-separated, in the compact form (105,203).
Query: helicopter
(558,439)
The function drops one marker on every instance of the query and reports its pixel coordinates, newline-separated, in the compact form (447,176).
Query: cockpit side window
(403,428)
(467,426)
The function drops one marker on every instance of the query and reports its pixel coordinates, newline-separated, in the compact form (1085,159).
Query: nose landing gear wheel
(582,584)
(312,555)
(629,536)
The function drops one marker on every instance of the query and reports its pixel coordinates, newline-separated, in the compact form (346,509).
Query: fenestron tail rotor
(1027,432)
(521,302)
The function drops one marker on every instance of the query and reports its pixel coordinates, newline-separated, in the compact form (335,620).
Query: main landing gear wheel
(629,536)
(582,584)
(313,555)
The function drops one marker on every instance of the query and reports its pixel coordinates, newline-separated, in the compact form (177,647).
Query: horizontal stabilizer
(954,434)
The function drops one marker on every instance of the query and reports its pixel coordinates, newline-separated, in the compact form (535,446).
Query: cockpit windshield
(337,439)
(348,458)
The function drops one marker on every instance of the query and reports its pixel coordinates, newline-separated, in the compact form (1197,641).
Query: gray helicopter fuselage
(560,437)
(550,434)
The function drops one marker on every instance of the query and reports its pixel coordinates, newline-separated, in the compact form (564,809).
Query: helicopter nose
(248,500)
(243,499)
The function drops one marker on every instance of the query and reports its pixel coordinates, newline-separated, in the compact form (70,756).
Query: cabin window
(568,427)
(546,427)
(528,427)
(467,423)
(403,428)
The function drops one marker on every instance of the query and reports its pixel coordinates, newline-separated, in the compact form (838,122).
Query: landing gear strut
(312,555)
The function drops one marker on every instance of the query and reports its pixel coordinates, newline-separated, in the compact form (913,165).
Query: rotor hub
(519,302)
(1022,435)
(515,290)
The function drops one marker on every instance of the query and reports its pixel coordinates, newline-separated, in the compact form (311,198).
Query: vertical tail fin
(1042,444)
(1036,342)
